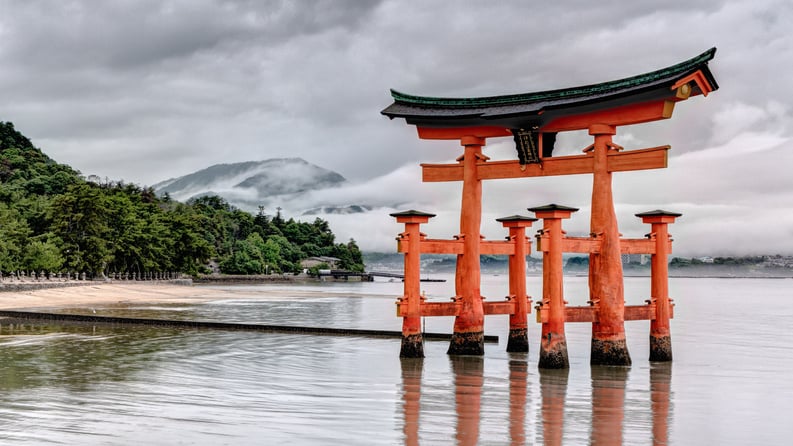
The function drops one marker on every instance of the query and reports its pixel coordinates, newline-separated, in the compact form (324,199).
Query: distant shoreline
(263,278)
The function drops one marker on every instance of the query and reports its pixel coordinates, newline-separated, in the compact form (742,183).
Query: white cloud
(740,118)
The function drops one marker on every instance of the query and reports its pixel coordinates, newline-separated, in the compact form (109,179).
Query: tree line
(54,220)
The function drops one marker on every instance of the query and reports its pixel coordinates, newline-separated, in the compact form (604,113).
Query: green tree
(190,250)
(349,255)
(42,256)
(81,219)
(14,232)
(252,256)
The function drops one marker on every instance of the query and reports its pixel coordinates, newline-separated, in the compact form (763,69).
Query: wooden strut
(640,159)
(591,245)
(515,303)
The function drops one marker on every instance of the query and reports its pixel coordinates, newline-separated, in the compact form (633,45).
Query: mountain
(248,185)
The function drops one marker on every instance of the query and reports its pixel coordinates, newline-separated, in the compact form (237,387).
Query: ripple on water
(28,340)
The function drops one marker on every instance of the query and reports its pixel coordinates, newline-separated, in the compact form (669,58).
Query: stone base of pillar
(467,344)
(518,341)
(610,352)
(660,348)
(412,346)
(553,352)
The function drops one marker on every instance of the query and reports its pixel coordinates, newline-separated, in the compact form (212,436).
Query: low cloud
(732,202)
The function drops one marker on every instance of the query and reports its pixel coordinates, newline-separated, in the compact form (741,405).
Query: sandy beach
(111,294)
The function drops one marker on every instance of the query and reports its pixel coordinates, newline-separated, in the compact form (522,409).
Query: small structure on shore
(311,262)
(533,120)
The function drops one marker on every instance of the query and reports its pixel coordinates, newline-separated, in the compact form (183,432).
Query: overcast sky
(147,90)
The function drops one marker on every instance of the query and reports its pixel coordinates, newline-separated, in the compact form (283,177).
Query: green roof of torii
(522,110)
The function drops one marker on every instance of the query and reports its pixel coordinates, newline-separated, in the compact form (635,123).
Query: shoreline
(87,294)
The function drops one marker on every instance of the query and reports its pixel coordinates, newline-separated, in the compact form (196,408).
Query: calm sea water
(730,383)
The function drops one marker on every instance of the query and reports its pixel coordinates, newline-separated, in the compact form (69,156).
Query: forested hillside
(53,220)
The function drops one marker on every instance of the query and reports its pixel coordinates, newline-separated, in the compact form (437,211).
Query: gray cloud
(147,90)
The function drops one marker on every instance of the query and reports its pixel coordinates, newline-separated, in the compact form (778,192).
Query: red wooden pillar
(518,325)
(412,340)
(553,343)
(606,286)
(660,335)
(468,336)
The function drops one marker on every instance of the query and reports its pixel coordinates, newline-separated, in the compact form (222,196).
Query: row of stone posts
(145,276)
(33,276)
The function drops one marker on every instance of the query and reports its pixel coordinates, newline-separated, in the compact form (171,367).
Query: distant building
(319,260)
(706,259)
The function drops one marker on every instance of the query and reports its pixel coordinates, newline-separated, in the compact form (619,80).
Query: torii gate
(533,121)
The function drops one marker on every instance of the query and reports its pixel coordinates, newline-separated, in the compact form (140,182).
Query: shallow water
(132,385)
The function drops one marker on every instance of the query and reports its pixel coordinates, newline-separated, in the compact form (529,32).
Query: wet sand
(112,294)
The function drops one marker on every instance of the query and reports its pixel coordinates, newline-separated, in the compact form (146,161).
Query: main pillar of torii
(533,120)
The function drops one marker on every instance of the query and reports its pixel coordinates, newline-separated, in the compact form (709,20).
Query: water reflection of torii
(608,401)
(533,120)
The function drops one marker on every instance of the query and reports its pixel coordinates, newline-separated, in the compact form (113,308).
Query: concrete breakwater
(29,317)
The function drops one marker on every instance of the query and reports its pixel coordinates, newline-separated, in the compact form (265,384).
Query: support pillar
(412,340)
(553,343)
(660,335)
(468,336)
(518,324)
(606,286)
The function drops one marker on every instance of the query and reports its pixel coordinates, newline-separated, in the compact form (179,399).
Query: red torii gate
(533,120)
